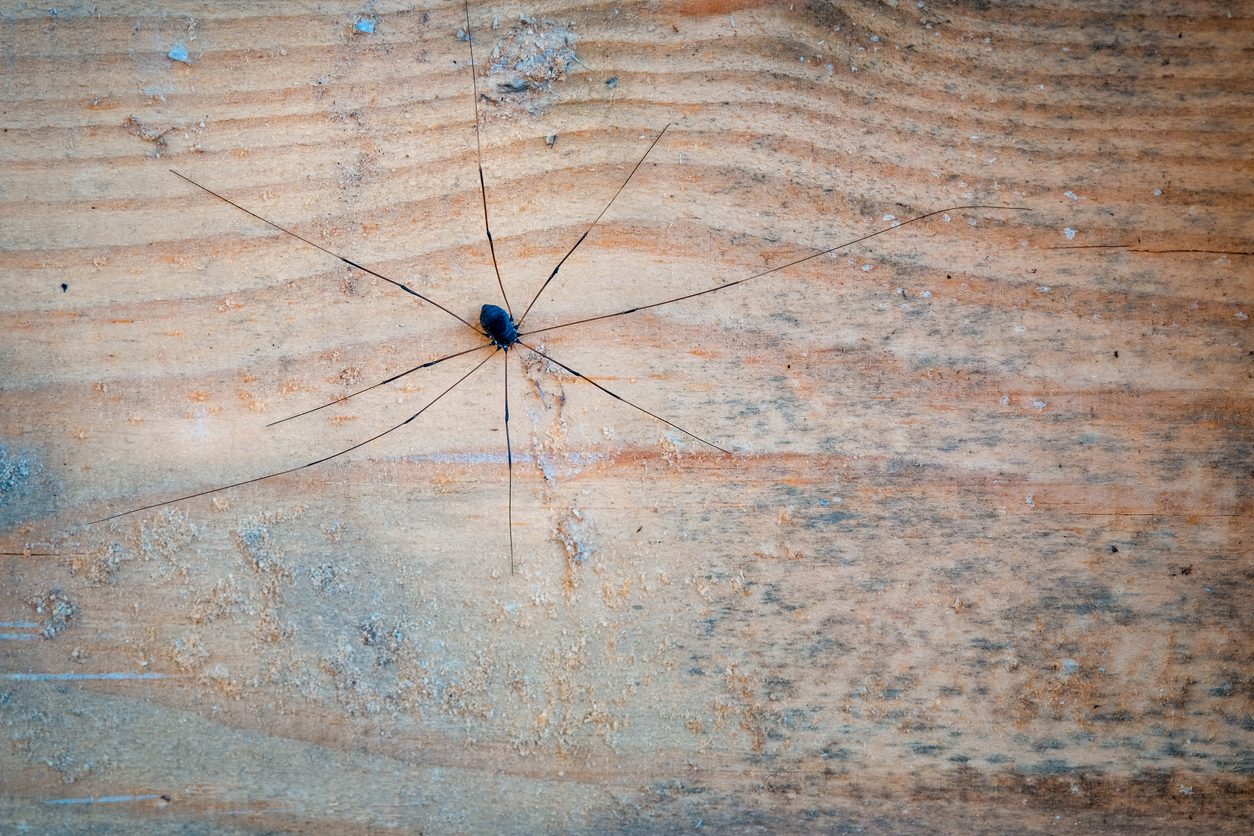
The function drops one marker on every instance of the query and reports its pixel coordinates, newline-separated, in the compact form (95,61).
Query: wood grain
(979,561)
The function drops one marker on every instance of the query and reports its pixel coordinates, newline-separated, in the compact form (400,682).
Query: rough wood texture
(980,560)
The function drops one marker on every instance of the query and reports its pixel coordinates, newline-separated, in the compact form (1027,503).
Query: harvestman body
(498,326)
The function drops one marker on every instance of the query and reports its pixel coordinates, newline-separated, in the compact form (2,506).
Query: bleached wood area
(979,559)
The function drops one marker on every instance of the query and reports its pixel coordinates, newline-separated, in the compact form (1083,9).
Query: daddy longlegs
(497,326)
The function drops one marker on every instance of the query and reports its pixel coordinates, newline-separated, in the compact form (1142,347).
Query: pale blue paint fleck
(77,677)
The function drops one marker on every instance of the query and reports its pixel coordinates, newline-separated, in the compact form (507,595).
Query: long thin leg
(347,261)
(394,377)
(624,400)
(41,554)
(591,225)
(509,463)
(483,191)
(765,272)
(303,466)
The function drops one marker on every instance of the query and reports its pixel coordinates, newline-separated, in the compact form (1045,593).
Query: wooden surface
(979,561)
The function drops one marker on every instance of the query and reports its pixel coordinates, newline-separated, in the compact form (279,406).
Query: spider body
(499,326)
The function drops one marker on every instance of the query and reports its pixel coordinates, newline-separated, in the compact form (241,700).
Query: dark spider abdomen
(499,325)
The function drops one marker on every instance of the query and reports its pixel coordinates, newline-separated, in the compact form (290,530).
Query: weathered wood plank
(979,561)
